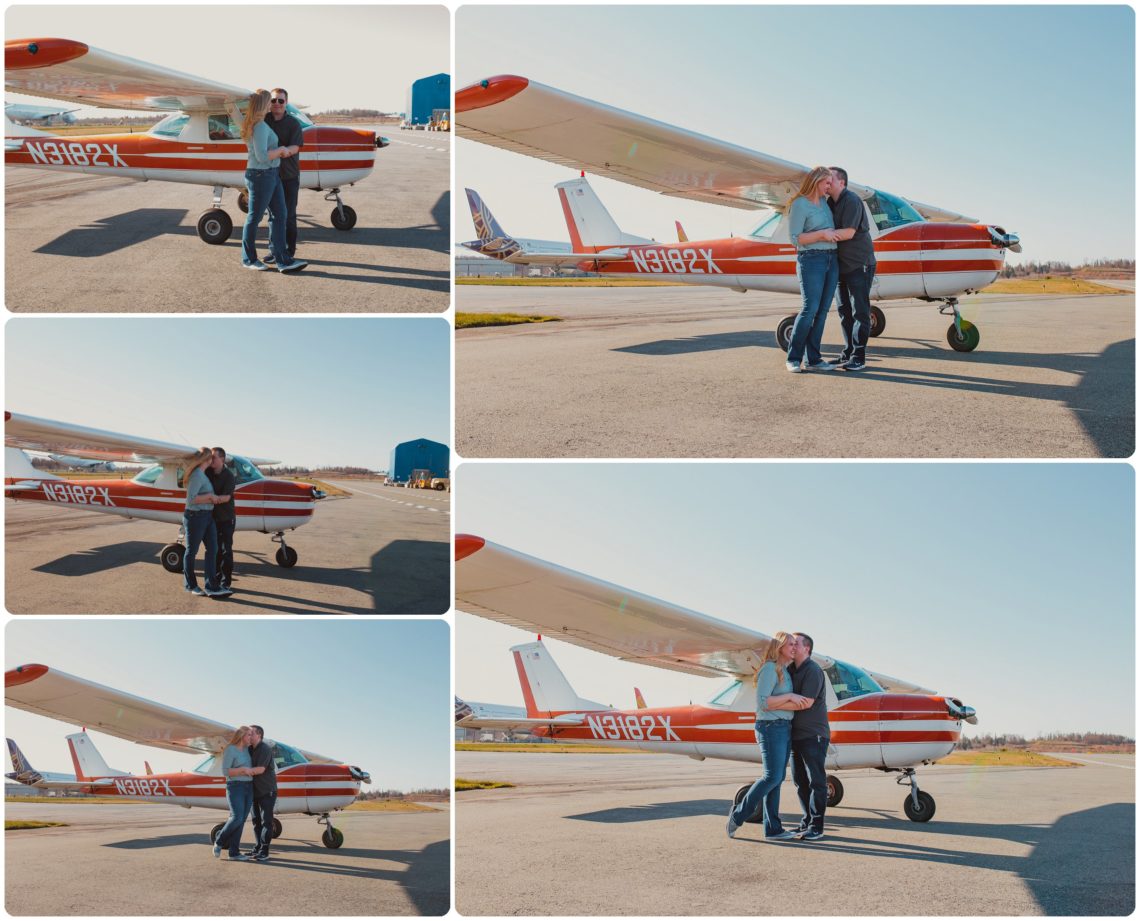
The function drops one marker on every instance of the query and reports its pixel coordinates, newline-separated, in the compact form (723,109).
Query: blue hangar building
(420,454)
(425,96)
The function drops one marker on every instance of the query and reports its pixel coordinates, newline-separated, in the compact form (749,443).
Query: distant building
(425,96)
(420,454)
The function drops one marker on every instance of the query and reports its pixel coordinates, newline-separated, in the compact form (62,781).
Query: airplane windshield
(727,697)
(149,476)
(766,229)
(243,470)
(851,681)
(889,211)
(285,756)
(304,119)
(171,126)
(212,765)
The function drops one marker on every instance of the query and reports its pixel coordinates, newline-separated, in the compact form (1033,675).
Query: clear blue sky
(372,693)
(315,392)
(1010,586)
(1021,116)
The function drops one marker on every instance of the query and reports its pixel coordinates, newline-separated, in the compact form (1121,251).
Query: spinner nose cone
(1010,241)
(960,711)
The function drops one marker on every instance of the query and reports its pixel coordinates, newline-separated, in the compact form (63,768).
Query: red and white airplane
(199,142)
(307,783)
(876,721)
(922,252)
(158,493)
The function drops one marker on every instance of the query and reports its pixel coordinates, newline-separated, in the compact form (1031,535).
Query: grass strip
(472,320)
(11,825)
(464,783)
(1005,758)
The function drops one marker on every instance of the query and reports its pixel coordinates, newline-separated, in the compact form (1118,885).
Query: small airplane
(876,721)
(307,783)
(198,142)
(923,252)
(158,493)
(83,463)
(39,116)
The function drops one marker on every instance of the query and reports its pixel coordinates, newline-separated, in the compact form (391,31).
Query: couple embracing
(251,784)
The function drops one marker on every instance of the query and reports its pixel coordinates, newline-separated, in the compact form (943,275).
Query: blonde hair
(772,654)
(811,180)
(239,735)
(255,112)
(195,459)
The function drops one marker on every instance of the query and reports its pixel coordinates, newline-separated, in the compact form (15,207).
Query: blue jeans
(239,794)
(291,188)
(198,528)
(818,273)
(854,308)
(774,738)
(809,771)
(264,187)
(263,822)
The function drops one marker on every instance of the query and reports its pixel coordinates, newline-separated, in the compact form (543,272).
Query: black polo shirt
(810,681)
(262,756)
(289,133)
(224,484)
(848,212)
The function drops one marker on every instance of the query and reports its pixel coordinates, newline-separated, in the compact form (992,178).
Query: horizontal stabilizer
(524,258)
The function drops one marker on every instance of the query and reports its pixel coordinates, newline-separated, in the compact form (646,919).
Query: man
(264,794)
(856,271)
(225,517)
(290,135)
(811,736)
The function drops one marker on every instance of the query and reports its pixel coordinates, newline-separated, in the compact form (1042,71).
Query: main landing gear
(962,335)
(173,554)
(784,330)
(215,226)
(217,828)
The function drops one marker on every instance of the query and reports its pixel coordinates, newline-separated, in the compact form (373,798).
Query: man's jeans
(809,771)
(264,188)
(239,795)
(290,188)
(225,532)
(773,737)
(818,274)
(854,310)
(198,527)
(263,822)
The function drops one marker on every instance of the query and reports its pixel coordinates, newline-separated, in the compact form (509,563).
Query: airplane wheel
(332,837)
(834,790)
(784,332)
(967,340)
(171,556)
(345,223)
(740,794)
(215,226)
(276,827)
(286,557)
(878,321)
(243,202)
(925,810)
(214,832)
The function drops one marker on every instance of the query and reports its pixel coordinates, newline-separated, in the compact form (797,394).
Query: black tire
(286,557)
(967,340)
(276,827)
(834,791)
(215,226)
(740,794)
(172,556)
(925,810)
(345,222)
(332,838)
(214,832)
(243,202)
(784,332)
(439,487)
(878,321)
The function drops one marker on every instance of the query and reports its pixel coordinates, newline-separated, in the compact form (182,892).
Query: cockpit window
(150,475)
(212,765)
(850,681)
(766,229)
(727,697)
(171,126)
(243,470)
(222,128)
(284,756)
(889,211)
(299,115)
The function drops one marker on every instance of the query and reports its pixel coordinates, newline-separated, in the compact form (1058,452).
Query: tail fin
(545,689)
(591,227)
(22,770)
(89,764)
(641,704)
(12,130)
(485,224)
(18,466)
(682,237)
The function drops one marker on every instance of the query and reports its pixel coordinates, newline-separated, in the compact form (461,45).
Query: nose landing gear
(963,336)
(331,837)
(286,556)
(343,217)
(918,806)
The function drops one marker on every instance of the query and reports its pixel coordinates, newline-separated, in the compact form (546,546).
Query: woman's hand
(253,772)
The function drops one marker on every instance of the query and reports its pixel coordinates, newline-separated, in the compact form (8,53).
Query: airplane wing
(932,213)
(501,584)
(59,68)
(48,692)
(522,258)
(897,685)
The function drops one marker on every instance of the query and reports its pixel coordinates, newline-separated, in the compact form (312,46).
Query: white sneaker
(257,266)
(793,367)
(820,366)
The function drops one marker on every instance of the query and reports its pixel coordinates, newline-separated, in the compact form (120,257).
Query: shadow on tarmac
(101,559)
(412,577)
(120,231)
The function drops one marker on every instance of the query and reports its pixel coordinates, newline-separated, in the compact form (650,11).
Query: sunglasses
(278,102)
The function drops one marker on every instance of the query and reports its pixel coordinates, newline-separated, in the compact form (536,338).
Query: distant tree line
(1053,738)
(284,470)
(350,113)
(434,793)
(1064,268)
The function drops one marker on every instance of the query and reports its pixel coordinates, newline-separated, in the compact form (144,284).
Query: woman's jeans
(239,794)
(775,739)
(265,192)
(198,528)
(818,273)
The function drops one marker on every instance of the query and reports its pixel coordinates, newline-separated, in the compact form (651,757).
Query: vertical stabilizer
(591,227)
(89,764)
(18,466)
(545,689)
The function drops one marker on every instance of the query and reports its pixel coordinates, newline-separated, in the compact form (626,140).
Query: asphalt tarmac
(140,859)
(588,834)
(384,550)
(79,243)
(695,372)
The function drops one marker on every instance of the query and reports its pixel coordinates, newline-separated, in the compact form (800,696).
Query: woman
(198,527)
(263,186)
(812,230)
(775,704)
(239,772)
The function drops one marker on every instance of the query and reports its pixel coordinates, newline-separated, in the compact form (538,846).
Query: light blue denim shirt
(236,756)
(804,217)
(768,684)
(258,146)
(196,486)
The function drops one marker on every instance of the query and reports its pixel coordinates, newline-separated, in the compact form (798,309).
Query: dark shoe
(732,828)
(841,361)
(219,592)
(854,365)
(295,266)
(270,260)
(820,365)
(811,835)
(260,858)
